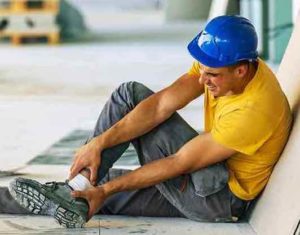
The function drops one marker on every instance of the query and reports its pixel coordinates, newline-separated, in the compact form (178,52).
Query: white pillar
(176,10)
(296,8)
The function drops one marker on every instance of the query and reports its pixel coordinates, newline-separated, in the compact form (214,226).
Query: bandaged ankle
(80,183)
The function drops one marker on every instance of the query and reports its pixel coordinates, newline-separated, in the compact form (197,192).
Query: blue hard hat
(225,41)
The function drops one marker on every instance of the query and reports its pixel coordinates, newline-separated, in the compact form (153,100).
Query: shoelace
(53,184)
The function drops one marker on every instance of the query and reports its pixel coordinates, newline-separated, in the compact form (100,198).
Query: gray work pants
(201,196)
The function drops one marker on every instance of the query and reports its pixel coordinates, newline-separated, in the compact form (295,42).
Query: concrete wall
(296,8)
(278,210)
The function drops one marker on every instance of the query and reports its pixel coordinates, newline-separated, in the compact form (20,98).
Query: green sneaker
(52,198)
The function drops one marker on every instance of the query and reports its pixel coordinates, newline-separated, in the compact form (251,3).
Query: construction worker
(211,176)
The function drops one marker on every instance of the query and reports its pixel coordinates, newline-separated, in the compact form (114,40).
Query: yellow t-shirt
(255,123)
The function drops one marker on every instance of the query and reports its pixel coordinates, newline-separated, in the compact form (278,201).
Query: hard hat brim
(202,57)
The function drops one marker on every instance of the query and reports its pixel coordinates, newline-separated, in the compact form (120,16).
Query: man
(210,176)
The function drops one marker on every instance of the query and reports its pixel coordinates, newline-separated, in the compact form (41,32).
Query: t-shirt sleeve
(195,69)
(243,130)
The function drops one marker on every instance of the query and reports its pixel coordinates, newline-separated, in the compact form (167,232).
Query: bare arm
(196,154)
(199,152)
(145,116)
(152,111)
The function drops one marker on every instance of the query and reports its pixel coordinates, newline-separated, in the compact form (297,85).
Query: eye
(213,74)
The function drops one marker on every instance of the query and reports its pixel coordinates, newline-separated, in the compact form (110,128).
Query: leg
(122,101)
(8,205)
(160,142)
(144,202)
(47,198)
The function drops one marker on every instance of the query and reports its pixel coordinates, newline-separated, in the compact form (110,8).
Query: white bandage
(79,183)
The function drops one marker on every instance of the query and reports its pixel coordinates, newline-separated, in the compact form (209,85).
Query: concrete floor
(111,225)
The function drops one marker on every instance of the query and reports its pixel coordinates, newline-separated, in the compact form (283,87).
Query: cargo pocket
(210,180)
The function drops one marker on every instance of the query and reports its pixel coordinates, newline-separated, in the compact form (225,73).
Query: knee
(131,87)
(134,91)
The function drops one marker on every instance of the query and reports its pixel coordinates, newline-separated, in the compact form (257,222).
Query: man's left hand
(95,197)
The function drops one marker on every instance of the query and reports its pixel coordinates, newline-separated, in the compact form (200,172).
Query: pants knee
(134,91)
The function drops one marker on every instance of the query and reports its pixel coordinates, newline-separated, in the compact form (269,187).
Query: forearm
(151,112)
(144,117)
(197,153)
(145,176)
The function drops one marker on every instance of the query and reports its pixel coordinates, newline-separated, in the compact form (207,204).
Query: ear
(241,70)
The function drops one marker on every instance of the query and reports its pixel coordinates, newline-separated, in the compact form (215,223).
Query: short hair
(242,62)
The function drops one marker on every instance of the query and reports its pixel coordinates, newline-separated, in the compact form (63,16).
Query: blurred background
(61,59)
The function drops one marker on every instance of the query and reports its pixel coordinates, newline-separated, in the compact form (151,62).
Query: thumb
(94,175)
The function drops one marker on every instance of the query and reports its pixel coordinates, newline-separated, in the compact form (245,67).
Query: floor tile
(111,225)
(26,225)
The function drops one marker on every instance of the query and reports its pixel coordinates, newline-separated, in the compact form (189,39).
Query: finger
(77,194)
(76,169)
(71,176)
(91,213)
(71,170)
(94,175)
(73,162)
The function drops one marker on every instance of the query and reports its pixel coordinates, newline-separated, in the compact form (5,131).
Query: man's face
(220,81)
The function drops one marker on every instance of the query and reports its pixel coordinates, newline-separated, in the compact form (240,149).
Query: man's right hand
(87,157)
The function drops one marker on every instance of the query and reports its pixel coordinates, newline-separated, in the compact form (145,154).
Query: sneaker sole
(38,203)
